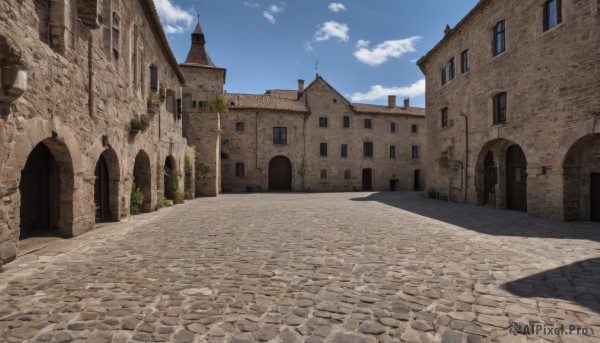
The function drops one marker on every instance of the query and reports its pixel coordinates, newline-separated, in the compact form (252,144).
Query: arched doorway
(367,179)
(581,180)
(142,180)
(490,179)
(46,189)
(516,179)
(170,178)
(106,187)
(280,174)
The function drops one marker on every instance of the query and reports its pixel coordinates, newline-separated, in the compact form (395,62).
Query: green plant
(162,202)
(203,169)
(178,197)
(217,104)
(187,181)
(153,101)
(188,194)
(136,200)
(140,123)
(170,181)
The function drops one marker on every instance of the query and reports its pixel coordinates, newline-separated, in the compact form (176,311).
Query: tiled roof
(197,53)
(381,109)
(263,102)
(289,94)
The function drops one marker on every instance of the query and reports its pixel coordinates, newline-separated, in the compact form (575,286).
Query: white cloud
(275,9)
(362,44)
(380,53)
(308,46)
(251,4)
(174,18)
(336,7)
(332,29)
(271,11)
(379,92)
(269,17)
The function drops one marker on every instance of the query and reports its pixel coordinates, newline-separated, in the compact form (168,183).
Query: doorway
(367,179)
(280,174)
(394,185)
(417,180)
(516,179)
(595,196)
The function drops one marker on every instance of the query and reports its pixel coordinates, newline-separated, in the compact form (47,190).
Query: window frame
(415,152)
(499,113)
(465,62)
(499,37)
(240,126)
(392,151)
(557,11)
(153,78)
(393,127)
(443,75)
(451,69)
(280,135)
(444,117)
(240,169)
(368,123)
(344,151)
(368,149)
(414,128)
(346,122)
(323,149)
(323,122)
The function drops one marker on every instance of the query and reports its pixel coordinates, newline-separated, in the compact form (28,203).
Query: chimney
(447,29)
(406,102)
(300,86)
(391,101)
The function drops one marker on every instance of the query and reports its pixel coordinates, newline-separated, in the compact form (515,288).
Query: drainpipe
(466,156)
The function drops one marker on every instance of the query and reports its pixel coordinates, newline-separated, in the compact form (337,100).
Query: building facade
(513,102)
(89,106)
(313,139)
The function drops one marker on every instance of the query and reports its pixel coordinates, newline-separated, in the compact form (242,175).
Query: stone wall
(553,100)
(85,82)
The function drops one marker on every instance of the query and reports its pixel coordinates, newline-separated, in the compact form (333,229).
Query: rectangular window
(415,151)
(239,169)
(344,150)
(444,117)
(194,104)
(346,121)
(500,108)
(552,14)
(202,105)
(443,74)
(279,135)
(239,126)
(322,121)
(368,124)
(323,149)
(464,62)
(392,151)
(368,149)
(153,78)
(499,38)
(451,69)
(393,127)
(414,128)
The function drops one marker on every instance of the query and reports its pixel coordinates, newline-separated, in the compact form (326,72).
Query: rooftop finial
(317,67)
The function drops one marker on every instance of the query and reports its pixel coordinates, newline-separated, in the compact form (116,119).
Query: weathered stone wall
(79,100)
(551,80)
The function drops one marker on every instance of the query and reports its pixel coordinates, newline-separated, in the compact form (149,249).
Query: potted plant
(139,123)
(153,102)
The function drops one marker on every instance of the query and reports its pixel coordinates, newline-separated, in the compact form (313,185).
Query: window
(415,151)
(239,126)
(323,149)
(499,38)
(393,127)
(202,105)
(322,121)
(323,173)
(153,78)
(392,151)
(444,117)
(194,104)
(368,149)
(500,108)
(464,61)
(346,121)
(368,124)
(443,74)
(335,101)
(344,150)
(451,71)
(414,128)
(552,14)
(347,174)
(239,169)
(279,135)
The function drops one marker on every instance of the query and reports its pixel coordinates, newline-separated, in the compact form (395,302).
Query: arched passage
(170,178)
(142,177)
(46,189)
(106,187)
(581,179)
(280,174)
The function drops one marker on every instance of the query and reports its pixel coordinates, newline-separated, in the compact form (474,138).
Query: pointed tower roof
(198,54)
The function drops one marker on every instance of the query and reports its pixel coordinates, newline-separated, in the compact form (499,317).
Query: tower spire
(198,54)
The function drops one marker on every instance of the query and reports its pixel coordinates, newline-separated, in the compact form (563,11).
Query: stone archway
(581,179)
(106,187)
(46,188)
(170,178)
(142,177)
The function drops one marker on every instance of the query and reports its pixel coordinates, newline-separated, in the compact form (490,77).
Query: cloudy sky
(366,49)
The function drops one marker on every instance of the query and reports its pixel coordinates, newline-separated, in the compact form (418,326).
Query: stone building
(513,102)
(74,75)
(314,139)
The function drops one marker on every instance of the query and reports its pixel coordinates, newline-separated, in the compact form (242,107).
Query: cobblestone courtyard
(350,267)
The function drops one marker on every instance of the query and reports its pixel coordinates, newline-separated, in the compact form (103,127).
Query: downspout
(466,156)
(256,139)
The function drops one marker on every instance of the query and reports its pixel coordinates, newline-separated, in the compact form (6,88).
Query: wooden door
(516,179)
(367,179)
(280,174)
(595,196)
(489,179)
(101,191)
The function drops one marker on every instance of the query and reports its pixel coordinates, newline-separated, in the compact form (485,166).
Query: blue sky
(366,49)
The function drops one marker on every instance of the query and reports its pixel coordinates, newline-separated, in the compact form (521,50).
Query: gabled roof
(382,109)
(318,79)
(159,34)
(264,102)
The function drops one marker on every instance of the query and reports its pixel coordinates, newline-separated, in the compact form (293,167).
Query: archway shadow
(486,220)
(578,282)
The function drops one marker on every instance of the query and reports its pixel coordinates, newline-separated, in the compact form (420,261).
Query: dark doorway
(101,191)
(394,185)
(170,178)
(367,179)
(516,179)
(39,189)
(595,196)
(280,174)
(489,180)
(142,179)
(417,180)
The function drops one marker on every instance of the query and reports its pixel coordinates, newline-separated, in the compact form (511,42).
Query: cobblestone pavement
(308,268)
